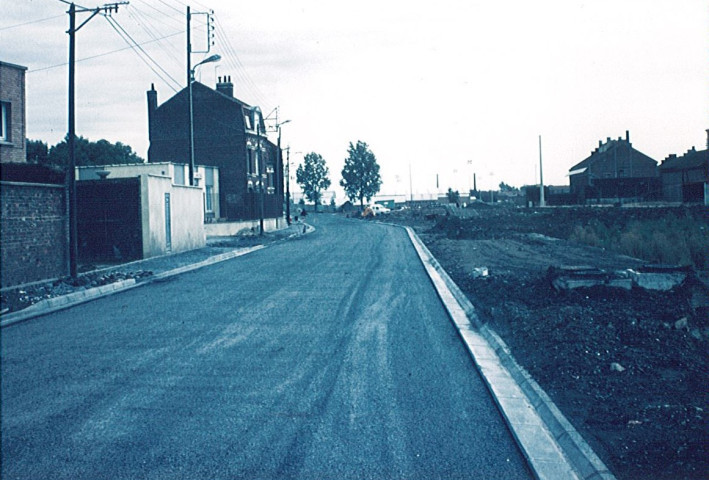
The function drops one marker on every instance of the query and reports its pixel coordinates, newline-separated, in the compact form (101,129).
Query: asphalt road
(325,357)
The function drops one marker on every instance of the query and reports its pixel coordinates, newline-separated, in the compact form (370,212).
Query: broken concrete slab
(572,277)
(660,277)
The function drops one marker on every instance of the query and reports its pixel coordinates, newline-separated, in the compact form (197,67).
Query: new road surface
(329,356)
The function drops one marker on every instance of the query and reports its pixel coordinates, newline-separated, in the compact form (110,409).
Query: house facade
(685,178)
(12,113)
(615,172)
(228,134)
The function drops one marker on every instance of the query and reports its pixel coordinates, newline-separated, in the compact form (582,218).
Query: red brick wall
(33,233)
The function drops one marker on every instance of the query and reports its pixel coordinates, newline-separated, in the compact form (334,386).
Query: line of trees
(87,152)
(360,175)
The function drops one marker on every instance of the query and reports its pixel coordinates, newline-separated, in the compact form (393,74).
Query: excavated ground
(646,415)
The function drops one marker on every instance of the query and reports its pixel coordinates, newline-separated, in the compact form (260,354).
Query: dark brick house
(228,134)
(685,178)
(615,172)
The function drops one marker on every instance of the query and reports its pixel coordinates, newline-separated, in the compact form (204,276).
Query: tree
(312,176)
(360,175)
(102,152)
(453,196)
(507,188)
(37,152)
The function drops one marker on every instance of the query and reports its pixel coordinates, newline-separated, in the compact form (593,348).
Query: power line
(31,22)
(100,54)
(118,28)
(149,31)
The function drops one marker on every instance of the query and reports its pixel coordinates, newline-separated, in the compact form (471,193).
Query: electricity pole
(542,202)
(288,185)
(71,135)
(258,169)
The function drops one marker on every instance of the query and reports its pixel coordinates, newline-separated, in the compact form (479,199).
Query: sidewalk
(28,301)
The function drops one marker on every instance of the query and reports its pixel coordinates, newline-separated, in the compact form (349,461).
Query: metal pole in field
(411,187)
(542,202)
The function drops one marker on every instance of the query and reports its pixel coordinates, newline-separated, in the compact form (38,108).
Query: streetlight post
(280,161)
(190,79)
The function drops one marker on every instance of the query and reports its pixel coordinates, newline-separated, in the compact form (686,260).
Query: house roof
(205,88)
(604,151)
(692,159)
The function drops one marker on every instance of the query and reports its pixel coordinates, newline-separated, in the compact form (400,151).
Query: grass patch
(670,239)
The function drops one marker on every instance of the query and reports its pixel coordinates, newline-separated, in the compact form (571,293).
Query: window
(209,198)
(250,162)
(179,175)
(4,122)
(247,122)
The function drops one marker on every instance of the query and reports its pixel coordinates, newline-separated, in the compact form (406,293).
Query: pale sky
(449,87)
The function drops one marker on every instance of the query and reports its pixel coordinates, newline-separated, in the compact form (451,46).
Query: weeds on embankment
(669,239)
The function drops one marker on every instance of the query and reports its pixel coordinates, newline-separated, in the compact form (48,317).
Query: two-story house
(685,178)
(615,172)
(228,134)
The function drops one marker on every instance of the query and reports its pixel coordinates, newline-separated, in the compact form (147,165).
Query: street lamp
(190,79)
(280,161)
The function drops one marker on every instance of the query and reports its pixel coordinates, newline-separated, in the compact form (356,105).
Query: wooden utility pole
(71,135)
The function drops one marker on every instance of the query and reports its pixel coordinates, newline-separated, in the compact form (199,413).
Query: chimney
(225,86)
(152,106)
(707,138)
(627,136)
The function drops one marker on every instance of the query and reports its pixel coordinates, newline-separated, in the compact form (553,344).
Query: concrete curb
(552,446)
(55,304)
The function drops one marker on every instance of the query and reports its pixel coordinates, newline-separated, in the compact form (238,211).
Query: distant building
(685,178)
(228,134)
(12,113)
(615,172)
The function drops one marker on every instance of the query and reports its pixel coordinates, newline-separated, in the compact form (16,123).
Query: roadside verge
(552,446)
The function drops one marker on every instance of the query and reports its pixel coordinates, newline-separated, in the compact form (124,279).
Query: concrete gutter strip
(552,446)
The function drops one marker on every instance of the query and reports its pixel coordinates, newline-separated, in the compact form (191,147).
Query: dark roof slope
(691,159)
(606,150)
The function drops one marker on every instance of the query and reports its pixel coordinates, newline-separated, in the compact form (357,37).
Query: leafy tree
(360,175)
(312,176)
(102,152)
(453,196)
(37,152)
(507,188)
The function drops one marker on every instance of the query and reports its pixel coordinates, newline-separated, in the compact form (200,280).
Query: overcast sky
(449,87)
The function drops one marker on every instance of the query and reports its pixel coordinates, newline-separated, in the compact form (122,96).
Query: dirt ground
(646,416)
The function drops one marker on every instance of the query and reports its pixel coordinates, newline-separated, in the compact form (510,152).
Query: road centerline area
(329,356)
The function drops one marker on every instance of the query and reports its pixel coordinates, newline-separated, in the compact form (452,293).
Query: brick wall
(33,228)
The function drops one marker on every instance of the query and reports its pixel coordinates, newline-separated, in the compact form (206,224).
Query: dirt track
(649,420)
